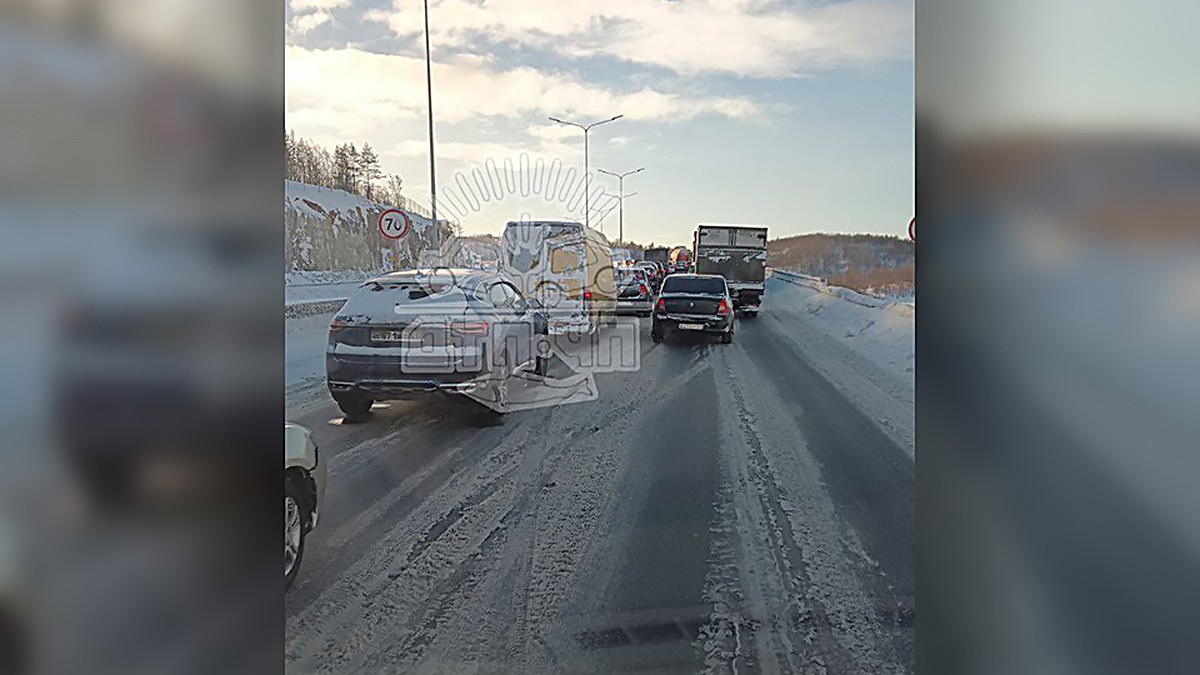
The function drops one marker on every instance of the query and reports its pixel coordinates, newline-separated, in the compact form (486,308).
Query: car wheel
(656,335)
(727,338)
(295,515)
(355,408)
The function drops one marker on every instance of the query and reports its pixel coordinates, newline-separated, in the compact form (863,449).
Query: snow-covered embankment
(865,346)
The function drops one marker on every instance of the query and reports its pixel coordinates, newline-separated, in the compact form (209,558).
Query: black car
(412,334)
(693,303)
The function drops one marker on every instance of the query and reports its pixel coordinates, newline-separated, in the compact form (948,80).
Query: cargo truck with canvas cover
(738,253)
(566,267)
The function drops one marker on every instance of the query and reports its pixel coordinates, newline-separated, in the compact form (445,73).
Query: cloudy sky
(794,115)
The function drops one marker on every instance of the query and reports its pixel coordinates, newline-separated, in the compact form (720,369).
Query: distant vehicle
(653,273)
(622,256)
(635,295)
(693,303)
(662,256)
(738,253)
(414,334)
(567,267)
(303,492)
(681,257)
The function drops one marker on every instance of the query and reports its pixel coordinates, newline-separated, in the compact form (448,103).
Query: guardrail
(303,308)
(849,295)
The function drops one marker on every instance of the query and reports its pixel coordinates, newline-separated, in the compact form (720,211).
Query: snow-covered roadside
(880,330)
(864,346)
(304,360)
(302,287)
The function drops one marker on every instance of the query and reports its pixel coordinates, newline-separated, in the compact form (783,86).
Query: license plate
(387,336)
(691,326)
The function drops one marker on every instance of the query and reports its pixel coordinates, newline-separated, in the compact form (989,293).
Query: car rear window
(381,297)
(706,285)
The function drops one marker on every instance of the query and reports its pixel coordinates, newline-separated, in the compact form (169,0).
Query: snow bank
(308,287)
(880,330)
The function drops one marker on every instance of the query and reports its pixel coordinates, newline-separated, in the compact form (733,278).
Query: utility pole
(437,233)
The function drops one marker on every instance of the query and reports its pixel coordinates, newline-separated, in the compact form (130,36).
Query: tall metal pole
(432,165)
(587,177)
(587,182)
(621,183)
(621,211)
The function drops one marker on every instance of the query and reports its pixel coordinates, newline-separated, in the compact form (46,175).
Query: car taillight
(469,327)
(336,325)
(723,308)
(645,291)
(661,307)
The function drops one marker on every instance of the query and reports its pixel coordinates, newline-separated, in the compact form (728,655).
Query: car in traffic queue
(634,294)
(652,271)
(414,334)
(693,303)
(304,478)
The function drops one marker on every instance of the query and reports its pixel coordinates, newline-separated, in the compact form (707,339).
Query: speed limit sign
(394,223)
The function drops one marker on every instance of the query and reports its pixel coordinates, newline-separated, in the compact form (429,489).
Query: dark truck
(658,255)
(738,253)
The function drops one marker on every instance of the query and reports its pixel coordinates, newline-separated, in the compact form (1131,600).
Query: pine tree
(355,175)
(369,172)
(343,172)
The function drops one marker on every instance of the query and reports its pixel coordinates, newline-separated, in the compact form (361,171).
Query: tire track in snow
(403,602)
(796,560)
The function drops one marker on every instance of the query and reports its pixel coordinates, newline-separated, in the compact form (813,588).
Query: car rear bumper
(398,389)
(385,378)
(634,305)
(712,324)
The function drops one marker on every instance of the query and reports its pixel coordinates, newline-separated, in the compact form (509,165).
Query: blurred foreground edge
(1057,387)
(140,177)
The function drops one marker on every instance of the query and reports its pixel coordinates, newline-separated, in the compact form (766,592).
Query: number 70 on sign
(394,223)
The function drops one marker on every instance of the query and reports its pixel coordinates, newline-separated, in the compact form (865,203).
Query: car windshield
(698,285)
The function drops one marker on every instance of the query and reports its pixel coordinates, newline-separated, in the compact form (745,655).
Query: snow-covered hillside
(334,230)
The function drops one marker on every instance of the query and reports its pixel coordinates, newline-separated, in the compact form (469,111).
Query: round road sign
(912,229)
(394,223)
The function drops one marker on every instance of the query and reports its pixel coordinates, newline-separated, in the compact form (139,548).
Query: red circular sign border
(407,224)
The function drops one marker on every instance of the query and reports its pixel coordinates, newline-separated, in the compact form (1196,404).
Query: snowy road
(728,508)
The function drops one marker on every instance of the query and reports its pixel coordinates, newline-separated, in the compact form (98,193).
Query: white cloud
(325,5)
(552,132)
(306,23)
(352,90)
(761,38)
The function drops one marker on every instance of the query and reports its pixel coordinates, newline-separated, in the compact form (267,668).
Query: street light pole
(621,198)
(587,177)
(437,234)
